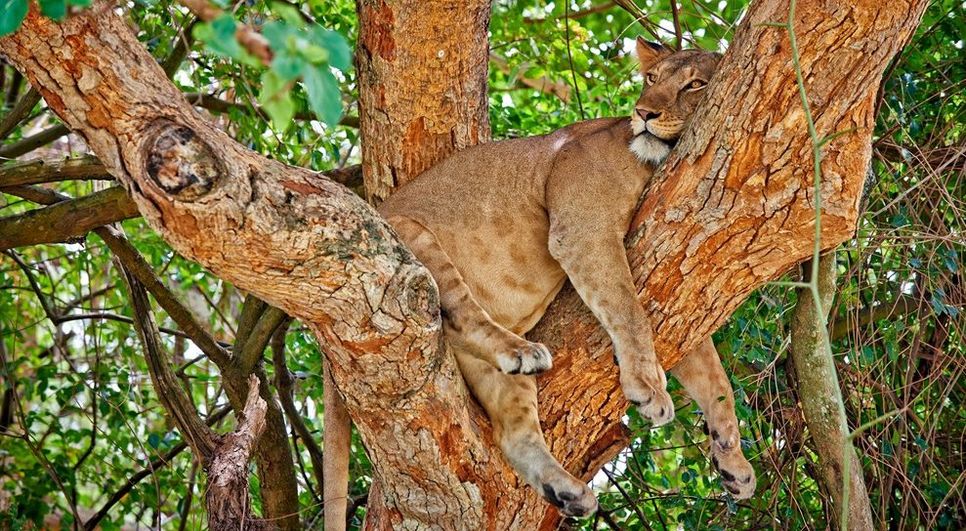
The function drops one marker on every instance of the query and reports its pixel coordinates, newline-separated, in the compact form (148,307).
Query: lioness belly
(506,264)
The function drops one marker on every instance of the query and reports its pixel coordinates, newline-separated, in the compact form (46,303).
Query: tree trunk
(422,85)
(732,210)
(821,398)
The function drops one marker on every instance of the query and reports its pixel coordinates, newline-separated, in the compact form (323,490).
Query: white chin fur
(649,148)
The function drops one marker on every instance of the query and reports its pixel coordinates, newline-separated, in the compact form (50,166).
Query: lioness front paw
(572,498)
(648,394)
(657,408)
(525,358)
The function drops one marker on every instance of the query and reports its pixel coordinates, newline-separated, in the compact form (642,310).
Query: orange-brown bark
(732,210)
(422,85)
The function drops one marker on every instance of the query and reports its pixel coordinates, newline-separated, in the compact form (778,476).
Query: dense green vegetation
(79,416)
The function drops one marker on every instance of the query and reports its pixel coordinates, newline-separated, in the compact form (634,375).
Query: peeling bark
(732,210)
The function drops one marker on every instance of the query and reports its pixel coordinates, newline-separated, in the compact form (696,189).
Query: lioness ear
(649,53)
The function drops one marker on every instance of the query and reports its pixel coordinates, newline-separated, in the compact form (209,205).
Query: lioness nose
(646,114)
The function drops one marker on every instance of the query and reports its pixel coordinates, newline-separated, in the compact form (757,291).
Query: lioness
(502,225)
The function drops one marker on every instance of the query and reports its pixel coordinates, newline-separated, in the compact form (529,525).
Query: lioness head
(673,85)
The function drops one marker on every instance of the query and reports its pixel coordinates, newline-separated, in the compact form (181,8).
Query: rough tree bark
(733,210)
(422,85)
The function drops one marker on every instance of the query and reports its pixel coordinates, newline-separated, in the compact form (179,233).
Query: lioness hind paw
(737,474)
(528,358)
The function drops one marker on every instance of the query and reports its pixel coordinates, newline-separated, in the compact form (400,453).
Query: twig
(19,111)
(570,59)
(30,143)
(677,24)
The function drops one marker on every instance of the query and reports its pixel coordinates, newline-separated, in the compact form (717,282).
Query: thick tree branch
(72,219)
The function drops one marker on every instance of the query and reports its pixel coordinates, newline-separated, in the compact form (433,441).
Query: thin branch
(180,50)
(285,385)
(677,24)
(19,112)
(640,16)
(151,468)
(246,355)
(42,171)
(172,396)
(570,59)
(137,266)
(30,143)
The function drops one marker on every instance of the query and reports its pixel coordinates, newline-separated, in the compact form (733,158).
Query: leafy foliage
(79,416)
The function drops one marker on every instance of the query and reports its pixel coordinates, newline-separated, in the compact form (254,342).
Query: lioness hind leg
(511,404)
(704,379)
(466,323)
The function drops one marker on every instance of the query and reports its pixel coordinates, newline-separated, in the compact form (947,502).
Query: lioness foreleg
(597,267)
(511,403)
(467,324)
(704,379)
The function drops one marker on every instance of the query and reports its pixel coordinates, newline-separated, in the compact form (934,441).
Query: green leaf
(55,9)
(12,13)
(277,34)
(219,37)
(340,55)
(323,91)
(276,99)
(288,13)
(288,66)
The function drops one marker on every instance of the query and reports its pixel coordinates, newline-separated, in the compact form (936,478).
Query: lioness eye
(650,79)
(697,84)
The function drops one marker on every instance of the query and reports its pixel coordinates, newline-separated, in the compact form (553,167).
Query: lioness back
(486,206)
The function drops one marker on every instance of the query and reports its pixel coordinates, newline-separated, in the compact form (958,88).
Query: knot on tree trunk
(182,164)
(416,290)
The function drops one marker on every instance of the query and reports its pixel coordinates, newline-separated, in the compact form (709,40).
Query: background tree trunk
(821,399)
(422,85)
(732,210)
